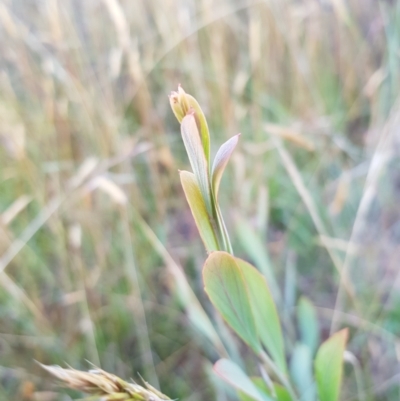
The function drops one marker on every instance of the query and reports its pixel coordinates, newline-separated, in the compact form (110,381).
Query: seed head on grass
(104,385)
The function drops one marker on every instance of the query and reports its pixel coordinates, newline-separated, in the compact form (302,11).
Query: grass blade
(329,366)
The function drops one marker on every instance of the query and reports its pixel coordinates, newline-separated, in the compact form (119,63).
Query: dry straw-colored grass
(97,248)
(103,385)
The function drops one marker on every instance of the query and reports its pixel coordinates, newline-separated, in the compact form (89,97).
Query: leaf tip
(344,335)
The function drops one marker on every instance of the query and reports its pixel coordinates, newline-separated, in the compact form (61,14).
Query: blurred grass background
(94,228)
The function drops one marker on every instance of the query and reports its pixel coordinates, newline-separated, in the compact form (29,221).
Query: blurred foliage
(94,227)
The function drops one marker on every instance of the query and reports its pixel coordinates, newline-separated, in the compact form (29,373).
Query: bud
(183,100)
(176,106)
(183,104)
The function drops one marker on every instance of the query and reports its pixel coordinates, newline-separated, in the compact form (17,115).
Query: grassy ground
(94,228)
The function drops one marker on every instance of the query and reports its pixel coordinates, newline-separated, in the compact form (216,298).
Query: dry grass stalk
(104,385)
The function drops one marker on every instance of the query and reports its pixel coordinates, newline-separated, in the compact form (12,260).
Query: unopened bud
(176,106)
(183,104)
(183,100)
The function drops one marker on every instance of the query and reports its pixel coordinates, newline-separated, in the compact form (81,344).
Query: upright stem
(224,231)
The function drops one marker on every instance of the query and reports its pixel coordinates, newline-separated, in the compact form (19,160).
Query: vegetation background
(94,228)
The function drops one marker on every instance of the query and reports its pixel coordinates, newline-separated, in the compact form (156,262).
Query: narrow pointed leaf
(227,290)
(199,211)
(180,285)
(221,160)
(281,393)
(301,371)
(202,124)
(329,366)
(234,375)
(197,158)
(308,324)
(265,313)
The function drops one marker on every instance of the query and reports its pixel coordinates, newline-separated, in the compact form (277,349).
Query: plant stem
(224,231)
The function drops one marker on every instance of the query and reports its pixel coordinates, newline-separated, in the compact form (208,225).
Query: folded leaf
(265,313)
(329,366)
(199,211)
(232,374)
(197,158)
(221,160)
(225,285)
(202,124)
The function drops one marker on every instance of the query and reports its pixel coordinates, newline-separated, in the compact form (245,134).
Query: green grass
(87,271)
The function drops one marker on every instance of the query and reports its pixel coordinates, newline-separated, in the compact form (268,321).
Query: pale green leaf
(199,211)
(281,393)
(221,160)
(234,375)
(258,252)
(308,324)
(301,371)
(227,290)
(329,366)
(194,148)
(265,313)
(202,124)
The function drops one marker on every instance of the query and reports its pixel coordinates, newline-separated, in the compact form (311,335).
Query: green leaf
(281,393)
(202,124)
(329,366)
(258,252)
(197,158)
(265,313)
(232,374)
(308,324)
(245,397)
(302,373)
(221,160)
(199,211)
(227,290)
